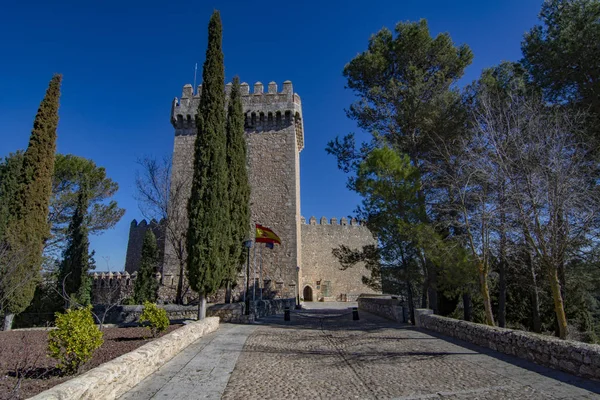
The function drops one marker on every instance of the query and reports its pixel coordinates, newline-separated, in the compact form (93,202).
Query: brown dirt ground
(25,351)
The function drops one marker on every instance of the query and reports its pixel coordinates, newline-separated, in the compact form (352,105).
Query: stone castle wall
(112,287)
(136,239)
(321,270)
(274,137)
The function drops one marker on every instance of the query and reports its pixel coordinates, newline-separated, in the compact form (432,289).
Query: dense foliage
(27,228)
(74,340)
(484,199)
(208,236)
(146,285)
(155,317)
(70,172)
(238,186)
(74,281)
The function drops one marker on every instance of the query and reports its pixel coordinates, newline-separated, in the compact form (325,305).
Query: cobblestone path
(323,354)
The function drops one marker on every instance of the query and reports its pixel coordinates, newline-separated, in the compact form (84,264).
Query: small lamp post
(247,245)
(298,286)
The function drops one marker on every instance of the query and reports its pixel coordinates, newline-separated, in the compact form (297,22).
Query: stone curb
(113,378)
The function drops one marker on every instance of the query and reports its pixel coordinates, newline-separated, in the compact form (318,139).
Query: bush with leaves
(74,340)
(155,317)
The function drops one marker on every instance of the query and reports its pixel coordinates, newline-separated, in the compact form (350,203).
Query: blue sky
(124,61)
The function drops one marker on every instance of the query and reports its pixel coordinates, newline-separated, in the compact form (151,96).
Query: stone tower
(274,136)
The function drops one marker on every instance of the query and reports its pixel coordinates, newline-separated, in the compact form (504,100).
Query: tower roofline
(261,108)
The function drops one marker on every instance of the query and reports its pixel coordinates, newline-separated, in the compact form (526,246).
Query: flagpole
(260,279)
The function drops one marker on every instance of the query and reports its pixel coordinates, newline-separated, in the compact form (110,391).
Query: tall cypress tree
(73,279)
(208,237)
(10,173)
(28,228)
(238,186)
(146,285)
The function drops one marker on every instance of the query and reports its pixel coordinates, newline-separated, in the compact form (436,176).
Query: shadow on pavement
(340,319)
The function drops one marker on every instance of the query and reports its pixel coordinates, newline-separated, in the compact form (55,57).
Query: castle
(303,265)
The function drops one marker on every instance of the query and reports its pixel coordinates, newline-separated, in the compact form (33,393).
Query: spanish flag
(266,235)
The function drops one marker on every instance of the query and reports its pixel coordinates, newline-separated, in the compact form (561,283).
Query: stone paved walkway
(201,371)
(323,354)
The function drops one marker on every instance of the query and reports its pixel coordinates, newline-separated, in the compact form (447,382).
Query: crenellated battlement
(333,221)
(265,111)
(106,279)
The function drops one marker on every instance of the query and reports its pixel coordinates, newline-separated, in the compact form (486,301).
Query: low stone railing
(131,314)
(384,306)
(264,308)
(577,358)
(113,378)
(233,312)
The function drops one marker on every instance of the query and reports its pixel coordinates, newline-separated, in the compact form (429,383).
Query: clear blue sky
(124,61)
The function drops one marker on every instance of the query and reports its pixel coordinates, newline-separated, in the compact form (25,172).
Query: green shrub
(156,317)
(129,301)
(74,340)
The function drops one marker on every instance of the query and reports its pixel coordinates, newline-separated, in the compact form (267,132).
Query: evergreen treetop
(74,280)
(238,186)
(28,228)
(146,286)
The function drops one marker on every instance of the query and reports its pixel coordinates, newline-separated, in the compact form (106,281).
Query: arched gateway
(308,293)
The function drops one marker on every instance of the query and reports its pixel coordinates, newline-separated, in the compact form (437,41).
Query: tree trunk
(411,302)
(432,288)
(201,306)
(485,293)
(558,302)
(502,294)
(424,294)
(535,303)
(179,293)
(502,256)
(8,321)
(228,293)
(467,307)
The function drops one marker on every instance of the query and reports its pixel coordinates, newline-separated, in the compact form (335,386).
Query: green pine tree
(146,285)
(73,280)
(208,237)
(28,228)
(238,187)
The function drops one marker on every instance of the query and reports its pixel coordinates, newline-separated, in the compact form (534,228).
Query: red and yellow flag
(266,235)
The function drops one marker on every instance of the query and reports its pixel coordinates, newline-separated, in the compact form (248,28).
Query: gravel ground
(26,351)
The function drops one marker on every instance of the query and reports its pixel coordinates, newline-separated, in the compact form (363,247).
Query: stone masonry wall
(274,136)
(136,239)
(319,266)
(577,358)
(386,307)
(233,312)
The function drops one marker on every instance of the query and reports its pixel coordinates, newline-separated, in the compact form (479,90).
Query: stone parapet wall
(264,308)
(113,378)
(233,312)
(577,358)
(386,307)
(131,314)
